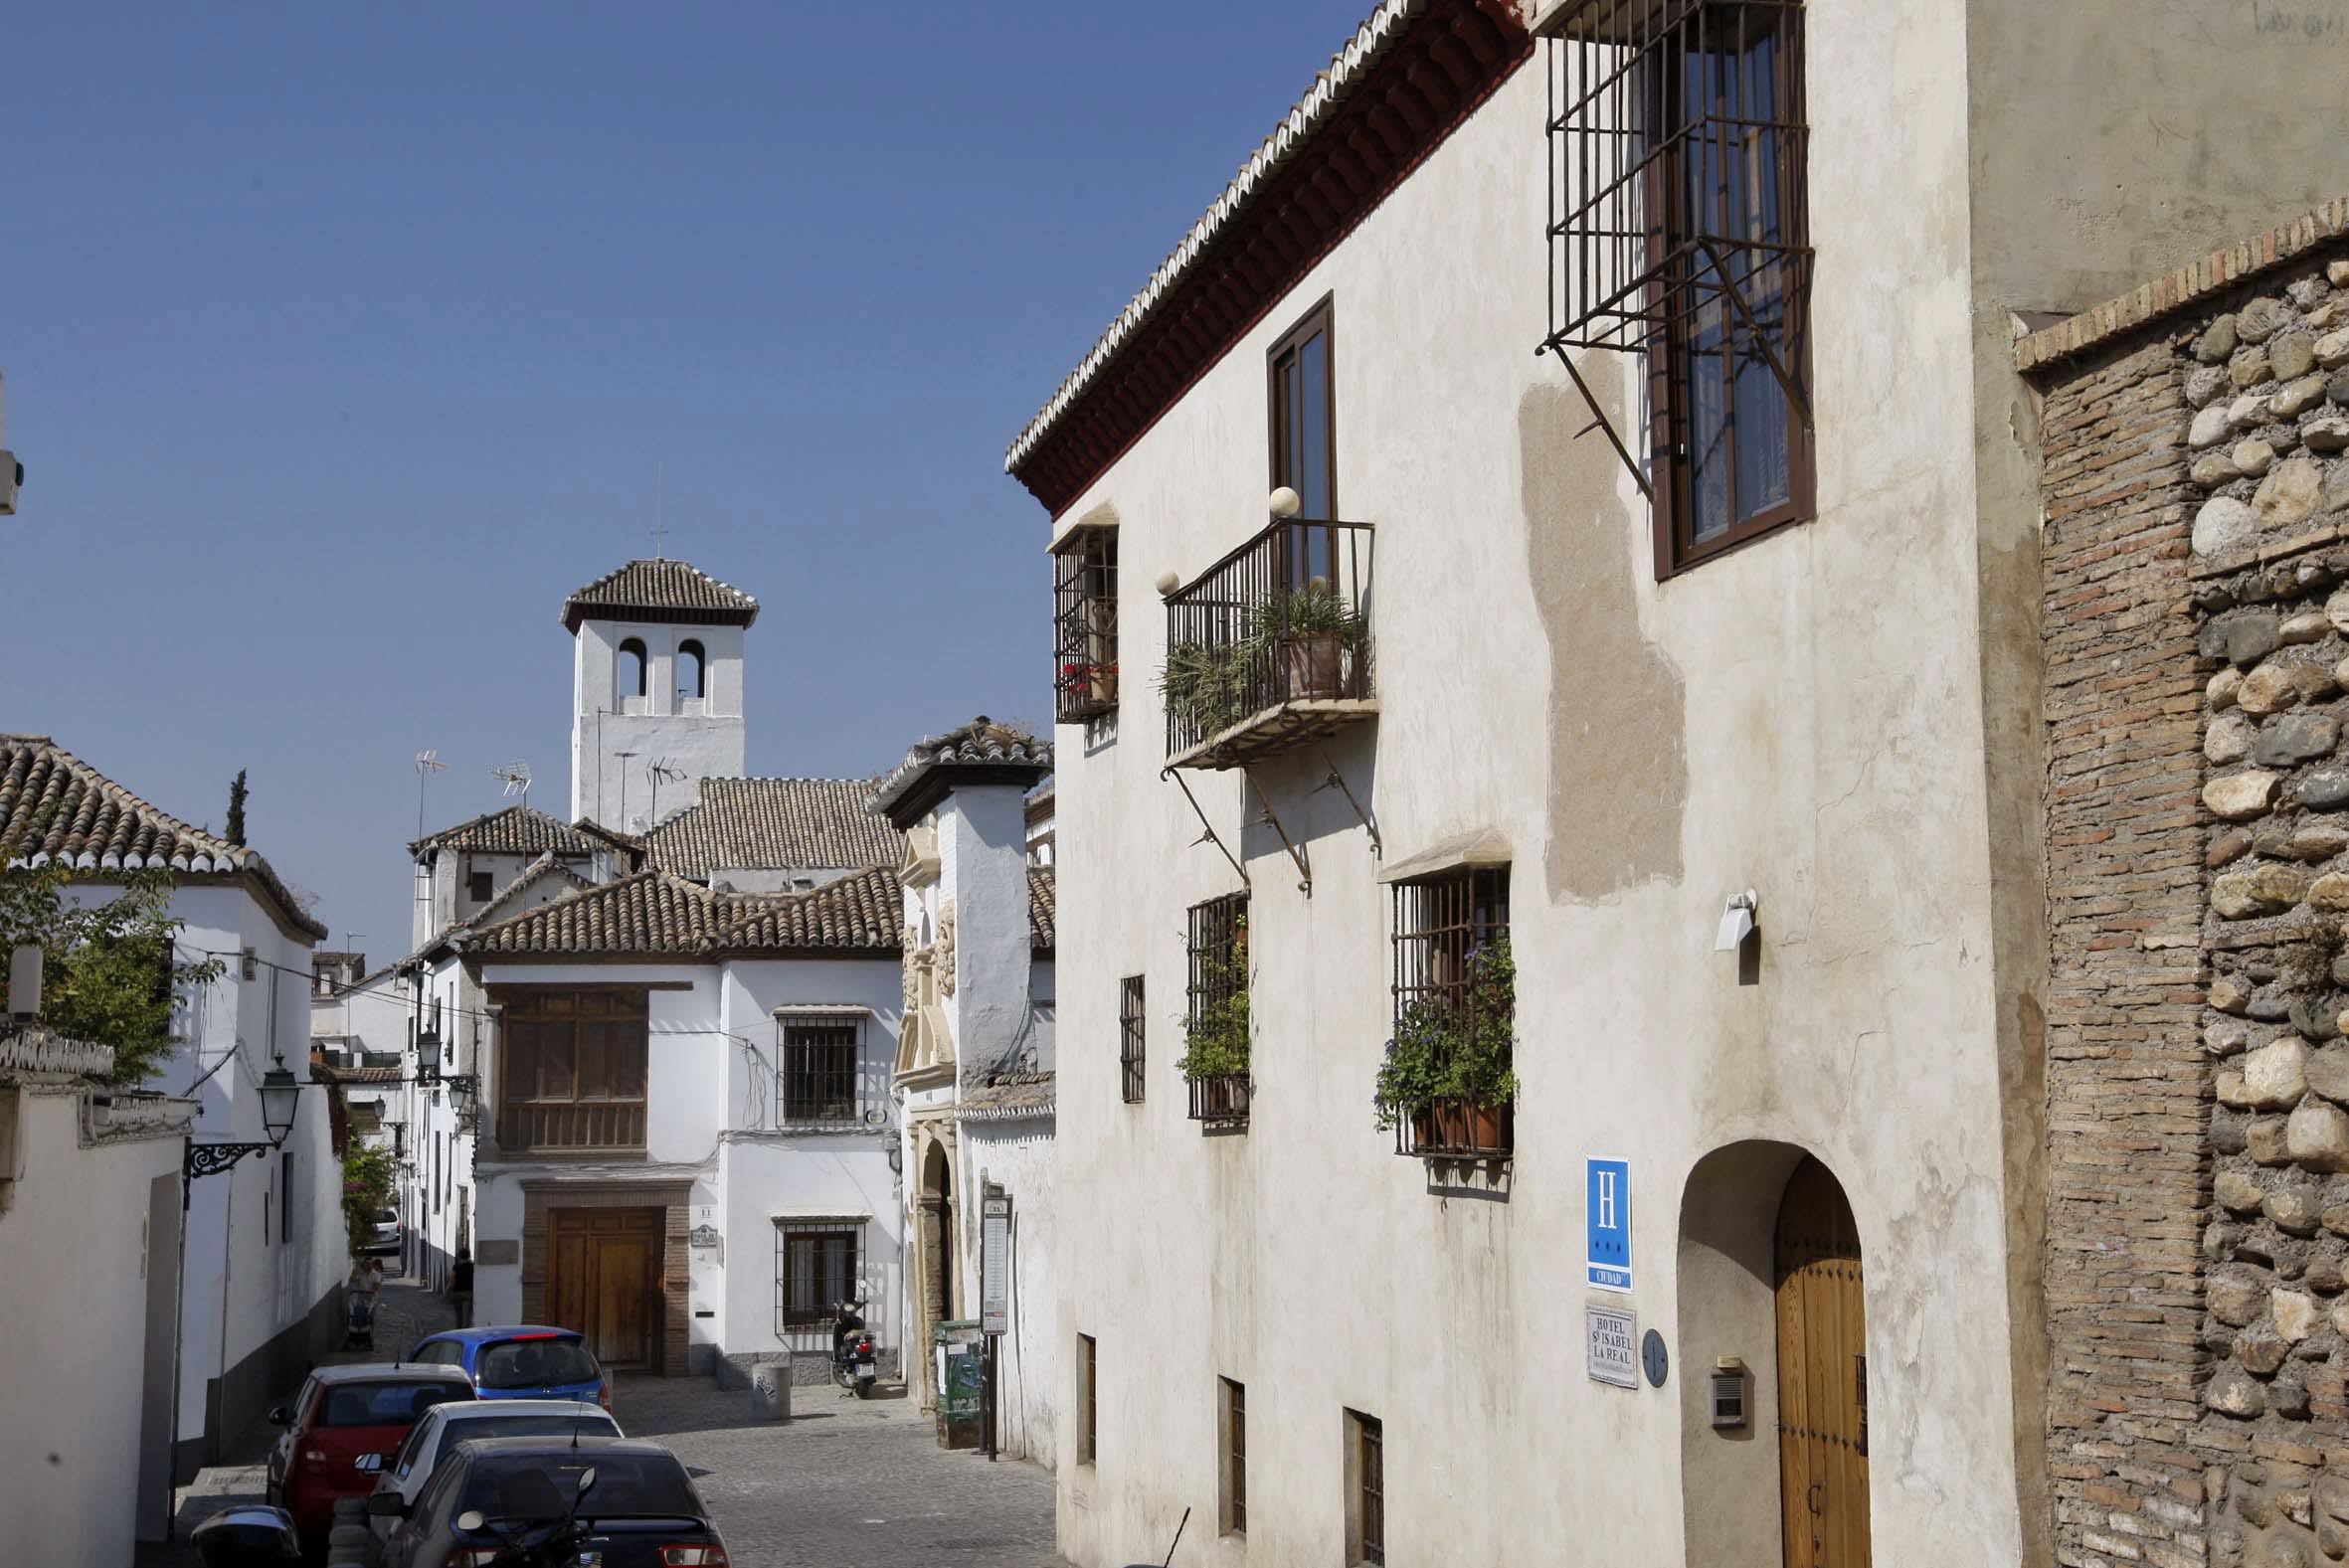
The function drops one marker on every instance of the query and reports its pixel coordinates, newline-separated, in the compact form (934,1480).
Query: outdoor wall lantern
(462,1088)
(1729,1393)
(280,1102)
(1736,920)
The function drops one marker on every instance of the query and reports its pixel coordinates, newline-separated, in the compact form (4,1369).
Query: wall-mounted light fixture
(1729,1406)
(1736,920)
(280,1103)
(1286,502)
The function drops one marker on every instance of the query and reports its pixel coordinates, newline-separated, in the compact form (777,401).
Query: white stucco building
(1595,589)
(91,1192)
(974,1071)
(265,1243)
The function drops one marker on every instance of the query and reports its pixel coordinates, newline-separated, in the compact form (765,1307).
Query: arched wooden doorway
(1822,1374)
(934,1286)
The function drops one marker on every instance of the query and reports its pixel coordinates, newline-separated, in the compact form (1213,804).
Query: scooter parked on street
(247,1537)
(853,1363)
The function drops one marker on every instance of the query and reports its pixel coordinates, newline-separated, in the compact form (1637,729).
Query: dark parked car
(624,1503)
(341,1429)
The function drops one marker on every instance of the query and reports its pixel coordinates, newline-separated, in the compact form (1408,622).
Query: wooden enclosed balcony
(1270,647)
(573,1127)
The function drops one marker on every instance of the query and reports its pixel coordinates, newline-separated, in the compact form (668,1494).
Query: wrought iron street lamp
(280,1102)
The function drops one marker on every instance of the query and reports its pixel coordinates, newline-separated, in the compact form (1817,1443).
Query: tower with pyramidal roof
(657,690)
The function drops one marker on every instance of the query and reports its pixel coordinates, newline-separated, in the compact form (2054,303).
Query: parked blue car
(520,1361)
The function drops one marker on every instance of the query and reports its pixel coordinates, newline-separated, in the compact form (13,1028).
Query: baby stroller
(359,1329)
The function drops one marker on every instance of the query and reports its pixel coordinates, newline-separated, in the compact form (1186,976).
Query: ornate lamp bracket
(210,1159)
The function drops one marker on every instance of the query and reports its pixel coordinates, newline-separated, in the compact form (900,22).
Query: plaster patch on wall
(1618,759)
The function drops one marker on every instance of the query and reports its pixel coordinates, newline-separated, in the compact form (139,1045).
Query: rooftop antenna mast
(625,758)
(662,771)
(660,527)
(426,764)
(515,776)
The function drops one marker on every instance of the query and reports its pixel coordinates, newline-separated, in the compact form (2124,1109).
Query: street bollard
(771,1391)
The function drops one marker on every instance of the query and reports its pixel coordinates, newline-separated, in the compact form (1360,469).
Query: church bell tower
(657,690)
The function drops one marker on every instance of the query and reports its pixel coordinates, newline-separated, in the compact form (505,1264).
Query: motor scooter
(247,1537)
(853,1366)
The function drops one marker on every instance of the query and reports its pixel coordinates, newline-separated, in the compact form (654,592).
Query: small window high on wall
(627,679)
(692,672)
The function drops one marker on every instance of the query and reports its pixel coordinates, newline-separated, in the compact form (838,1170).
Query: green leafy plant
(367,1177)
(1215,1035)
(1454,1048)
(110,971)
(1313,610)
(1205,684)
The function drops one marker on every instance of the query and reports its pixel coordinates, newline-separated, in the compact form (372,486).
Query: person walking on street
(460,1286)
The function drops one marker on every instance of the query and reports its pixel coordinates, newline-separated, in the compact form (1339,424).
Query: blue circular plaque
(1653,1359)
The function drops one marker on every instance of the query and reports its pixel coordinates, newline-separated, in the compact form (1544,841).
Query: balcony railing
(1271,645)
(1457,1128)
(1222,1101)
(534,1127)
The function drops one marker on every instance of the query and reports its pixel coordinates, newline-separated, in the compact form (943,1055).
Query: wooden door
(604,1280)
(1822,1375)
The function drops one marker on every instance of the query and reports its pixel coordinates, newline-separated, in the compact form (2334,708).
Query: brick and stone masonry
(2194,624)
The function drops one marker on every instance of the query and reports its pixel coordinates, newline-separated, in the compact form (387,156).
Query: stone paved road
(847,1483)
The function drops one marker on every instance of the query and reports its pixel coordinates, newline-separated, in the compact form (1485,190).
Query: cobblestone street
(845,1483)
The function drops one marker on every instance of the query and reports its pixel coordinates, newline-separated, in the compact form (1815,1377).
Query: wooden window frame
(1085,683)
(1133,1059)
(1670,394)
(1366,1489)
(825,1108)
(1088,1408)
(807,1324)
(1322,320)
(480,886)
(1216,933)
(1439,920)
(624,1013)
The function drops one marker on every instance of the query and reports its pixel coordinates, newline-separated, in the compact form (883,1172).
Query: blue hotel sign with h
(1607,1219)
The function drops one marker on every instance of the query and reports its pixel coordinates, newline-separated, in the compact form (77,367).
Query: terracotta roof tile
(774,824)
(661,590)
(514,831)
(858,911)
(657,913)
(982,750)
(1042,914)
(55,808)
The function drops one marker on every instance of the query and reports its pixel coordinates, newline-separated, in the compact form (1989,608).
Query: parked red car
(342,1429)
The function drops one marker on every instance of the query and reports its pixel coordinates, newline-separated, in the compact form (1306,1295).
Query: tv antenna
(426,764)
(662,771)
(624,758)
(517,779)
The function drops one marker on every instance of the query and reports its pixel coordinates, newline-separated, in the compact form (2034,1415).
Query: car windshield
(590,1424)
(535,1363)
(385,1404)
(540,1487)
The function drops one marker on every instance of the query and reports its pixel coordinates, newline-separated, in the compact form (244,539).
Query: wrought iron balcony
(1270,646)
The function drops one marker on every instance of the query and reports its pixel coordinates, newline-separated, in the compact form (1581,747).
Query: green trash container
(960,1354)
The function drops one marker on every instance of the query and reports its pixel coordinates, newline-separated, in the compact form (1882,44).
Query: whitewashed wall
(704,738)
(73,1268)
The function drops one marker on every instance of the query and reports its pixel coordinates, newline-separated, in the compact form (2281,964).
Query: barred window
(1218,1036)
(1366,1506)
(819,1070)
(1679,230)
(1448,1082)
(1235,1456)
(1085,624)
(817,1264)
(1130,1051)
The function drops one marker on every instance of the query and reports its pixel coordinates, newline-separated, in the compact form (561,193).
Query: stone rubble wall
(2196,627)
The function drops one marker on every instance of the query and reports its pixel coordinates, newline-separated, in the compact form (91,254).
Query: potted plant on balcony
(1310,630)
(1088,686)
(1449,1071)
(1215,1035)
(1206,686)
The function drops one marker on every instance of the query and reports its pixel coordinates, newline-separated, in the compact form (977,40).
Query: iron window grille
(1215,997)
(1235,1458)
(1442,925)
(817,1264)
(820,1082)
(1370,1489)
(1085,625)
(1129,1039)
(1678,230)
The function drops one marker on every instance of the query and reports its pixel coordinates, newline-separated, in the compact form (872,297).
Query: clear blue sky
(341,342)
